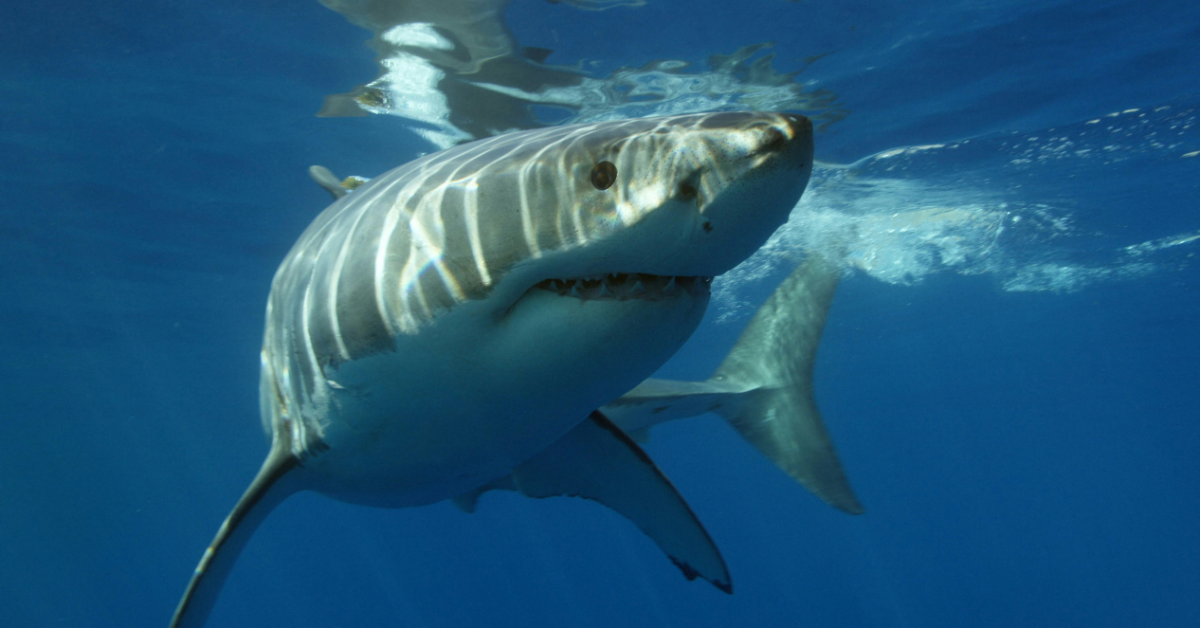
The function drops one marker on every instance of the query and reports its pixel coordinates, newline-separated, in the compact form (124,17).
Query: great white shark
(465,321)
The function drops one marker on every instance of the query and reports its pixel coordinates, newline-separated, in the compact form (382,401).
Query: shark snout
(791,128)
(800,126)
(792,131)
(750,207)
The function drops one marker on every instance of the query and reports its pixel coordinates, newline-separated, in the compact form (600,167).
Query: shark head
(686,196)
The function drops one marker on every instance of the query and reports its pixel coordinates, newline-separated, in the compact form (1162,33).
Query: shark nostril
(773,140)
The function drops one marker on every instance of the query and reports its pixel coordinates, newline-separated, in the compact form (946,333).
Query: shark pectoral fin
(773,360)
(597,461)
(265,492)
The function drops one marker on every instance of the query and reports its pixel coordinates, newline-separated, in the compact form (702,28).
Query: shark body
(460,319)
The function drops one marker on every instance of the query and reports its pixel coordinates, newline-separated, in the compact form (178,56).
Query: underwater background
(1010,368)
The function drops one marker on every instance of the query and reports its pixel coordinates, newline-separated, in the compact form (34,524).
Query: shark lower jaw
(628,286)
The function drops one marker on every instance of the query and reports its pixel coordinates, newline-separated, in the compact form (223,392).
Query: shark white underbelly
(459,320)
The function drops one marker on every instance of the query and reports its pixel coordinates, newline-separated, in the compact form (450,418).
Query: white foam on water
(904,214)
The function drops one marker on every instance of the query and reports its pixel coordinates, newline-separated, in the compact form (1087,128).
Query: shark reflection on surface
(456,68)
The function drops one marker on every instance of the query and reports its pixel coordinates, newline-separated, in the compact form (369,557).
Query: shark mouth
(624,287)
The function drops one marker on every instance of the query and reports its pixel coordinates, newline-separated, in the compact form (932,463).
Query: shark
(465,321)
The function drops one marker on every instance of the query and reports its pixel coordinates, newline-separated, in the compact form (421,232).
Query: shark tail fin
(773,360)
(264,493)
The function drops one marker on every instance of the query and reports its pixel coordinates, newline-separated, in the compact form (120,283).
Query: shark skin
(763,389)
(459,320)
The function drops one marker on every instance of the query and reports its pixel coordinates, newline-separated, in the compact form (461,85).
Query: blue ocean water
(1009,370)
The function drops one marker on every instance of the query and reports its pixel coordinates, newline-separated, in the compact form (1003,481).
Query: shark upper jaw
(626,286)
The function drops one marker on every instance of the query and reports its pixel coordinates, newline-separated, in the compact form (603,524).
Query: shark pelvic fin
(265,493)
(467,502)
(773,360)
(597,461)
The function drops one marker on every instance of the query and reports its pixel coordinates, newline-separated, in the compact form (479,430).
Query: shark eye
(687,191)
(604,174)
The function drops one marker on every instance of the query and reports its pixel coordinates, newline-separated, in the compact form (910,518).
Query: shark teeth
(626,286)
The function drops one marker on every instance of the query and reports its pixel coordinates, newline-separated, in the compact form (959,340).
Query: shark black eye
(604,174)
(687,191)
